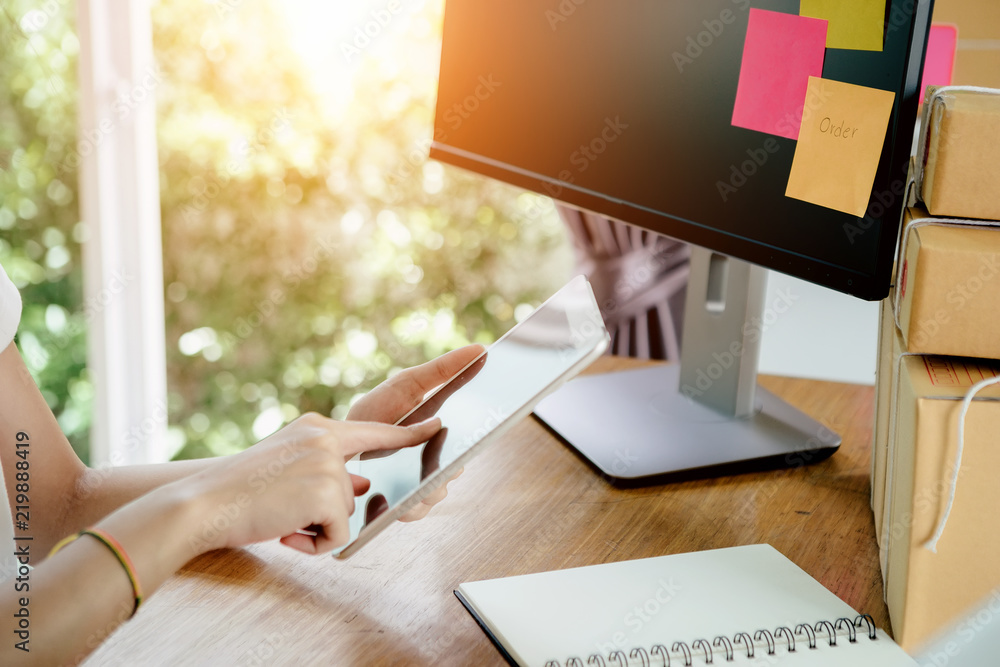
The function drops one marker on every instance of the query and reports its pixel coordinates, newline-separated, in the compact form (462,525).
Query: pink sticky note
(940,60)
(781,52)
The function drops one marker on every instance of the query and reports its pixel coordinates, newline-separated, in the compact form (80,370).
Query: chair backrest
(639,279)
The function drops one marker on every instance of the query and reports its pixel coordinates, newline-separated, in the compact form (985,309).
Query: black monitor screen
(680,116)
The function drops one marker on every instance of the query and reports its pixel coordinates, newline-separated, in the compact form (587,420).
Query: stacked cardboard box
(957,160)
(936,453)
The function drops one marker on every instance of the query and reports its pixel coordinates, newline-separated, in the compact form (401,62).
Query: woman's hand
(388,402)
(294,479)
(395,397)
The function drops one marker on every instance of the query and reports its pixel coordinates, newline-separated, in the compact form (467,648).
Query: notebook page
(682,597)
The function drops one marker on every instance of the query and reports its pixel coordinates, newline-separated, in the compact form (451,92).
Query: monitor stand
(704,417)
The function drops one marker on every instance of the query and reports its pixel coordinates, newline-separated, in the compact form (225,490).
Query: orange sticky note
(840,142)
(853,24)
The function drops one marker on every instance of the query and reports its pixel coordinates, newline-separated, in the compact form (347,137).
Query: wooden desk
(527,504)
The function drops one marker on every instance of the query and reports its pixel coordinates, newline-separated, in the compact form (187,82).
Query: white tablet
(490,395)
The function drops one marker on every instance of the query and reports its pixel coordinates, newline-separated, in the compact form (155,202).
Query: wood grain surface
(527,504)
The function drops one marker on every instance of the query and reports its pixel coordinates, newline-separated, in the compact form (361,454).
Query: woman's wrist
(192,508)
(159,531)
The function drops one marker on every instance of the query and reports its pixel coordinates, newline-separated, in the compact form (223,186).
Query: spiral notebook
(743,605)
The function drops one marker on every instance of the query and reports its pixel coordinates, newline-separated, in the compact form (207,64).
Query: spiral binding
(804,637)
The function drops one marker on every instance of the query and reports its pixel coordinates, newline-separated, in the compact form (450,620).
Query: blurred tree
(40,233)
(307,256)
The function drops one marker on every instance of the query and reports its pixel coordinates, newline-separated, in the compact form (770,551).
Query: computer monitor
(766,133)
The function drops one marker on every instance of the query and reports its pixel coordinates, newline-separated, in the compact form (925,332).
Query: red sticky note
(781,52)
(939,63)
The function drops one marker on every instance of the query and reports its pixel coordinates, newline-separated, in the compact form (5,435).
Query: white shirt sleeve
(10,310)
(10,315)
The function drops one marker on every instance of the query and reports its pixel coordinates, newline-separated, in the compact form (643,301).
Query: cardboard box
(948,286)
(890,347)
(958,149)
(926,591)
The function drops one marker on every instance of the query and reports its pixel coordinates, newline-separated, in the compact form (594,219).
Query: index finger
(370,436)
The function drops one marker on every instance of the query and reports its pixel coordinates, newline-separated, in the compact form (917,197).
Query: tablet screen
(499,388)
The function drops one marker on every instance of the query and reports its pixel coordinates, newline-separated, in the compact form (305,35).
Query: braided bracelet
(116,548)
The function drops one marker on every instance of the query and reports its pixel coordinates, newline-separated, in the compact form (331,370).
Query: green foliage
(307,256)
(308,253)
(39,218)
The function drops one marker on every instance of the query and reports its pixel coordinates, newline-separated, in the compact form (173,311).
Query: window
(309,248)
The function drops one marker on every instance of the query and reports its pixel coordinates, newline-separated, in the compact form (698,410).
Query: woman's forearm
(163,516)
(100,491)
(65,495)
(76,598)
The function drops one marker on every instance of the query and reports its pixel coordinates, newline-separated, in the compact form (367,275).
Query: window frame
(122,254)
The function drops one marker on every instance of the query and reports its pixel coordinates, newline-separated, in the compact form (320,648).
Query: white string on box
(901,268)
(921,159)
(912,195)
(931,544)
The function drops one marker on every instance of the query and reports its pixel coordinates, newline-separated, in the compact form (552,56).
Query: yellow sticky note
(853,24)
(840,142)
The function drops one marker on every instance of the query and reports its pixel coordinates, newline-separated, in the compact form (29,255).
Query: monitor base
(635,427)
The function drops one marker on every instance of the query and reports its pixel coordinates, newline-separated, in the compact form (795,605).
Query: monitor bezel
(869,286)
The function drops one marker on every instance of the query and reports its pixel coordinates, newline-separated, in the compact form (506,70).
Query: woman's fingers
(392,399)
(309,485)
(419,380)
(299,542)
(360,484)
(370,436)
